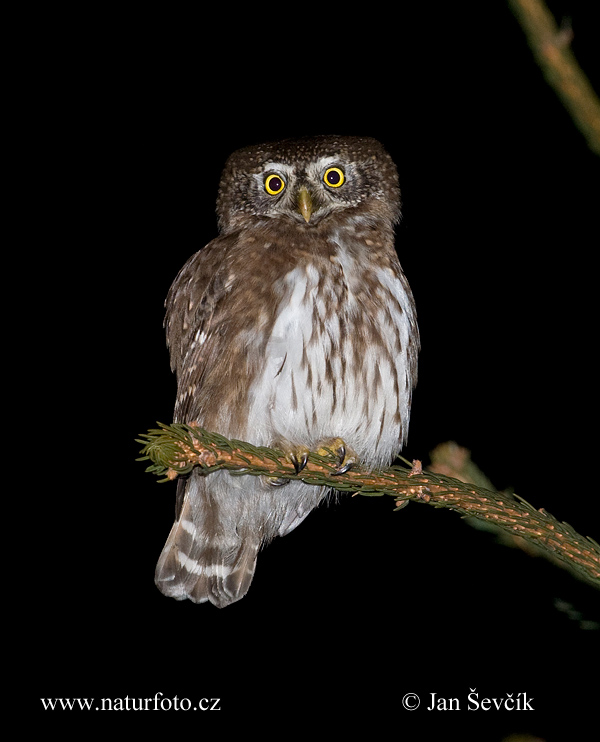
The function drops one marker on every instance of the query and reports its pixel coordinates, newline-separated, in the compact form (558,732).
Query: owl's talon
(344,469)
(346,458)
(276,481)
(299,459)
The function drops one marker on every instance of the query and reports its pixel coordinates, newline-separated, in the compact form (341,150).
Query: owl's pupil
(333,177)
(275,183)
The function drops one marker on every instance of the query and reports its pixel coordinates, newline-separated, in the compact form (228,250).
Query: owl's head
(309,180)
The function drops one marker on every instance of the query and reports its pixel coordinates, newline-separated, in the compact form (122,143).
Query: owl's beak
(305,204)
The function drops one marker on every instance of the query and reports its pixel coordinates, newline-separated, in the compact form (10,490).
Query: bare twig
(550,46)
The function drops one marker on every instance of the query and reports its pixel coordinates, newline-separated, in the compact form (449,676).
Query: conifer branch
(176,449)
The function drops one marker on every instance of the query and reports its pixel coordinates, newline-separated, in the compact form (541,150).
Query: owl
(295,328)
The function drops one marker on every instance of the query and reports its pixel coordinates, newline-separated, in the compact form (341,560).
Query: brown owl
(294,328)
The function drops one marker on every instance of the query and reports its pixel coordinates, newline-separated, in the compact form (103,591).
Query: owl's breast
(336,363)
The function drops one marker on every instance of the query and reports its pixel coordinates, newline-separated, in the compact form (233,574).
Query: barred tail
(203,561)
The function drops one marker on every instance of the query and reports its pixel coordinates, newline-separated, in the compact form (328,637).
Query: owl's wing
(192,313)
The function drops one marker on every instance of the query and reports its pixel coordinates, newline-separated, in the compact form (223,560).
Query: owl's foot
(298,457)
(346,458)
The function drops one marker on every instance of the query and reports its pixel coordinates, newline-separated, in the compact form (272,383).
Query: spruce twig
(176,449)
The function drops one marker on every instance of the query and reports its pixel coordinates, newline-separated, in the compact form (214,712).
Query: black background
(360,605)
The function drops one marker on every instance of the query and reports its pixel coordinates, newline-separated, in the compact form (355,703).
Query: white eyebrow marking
(279,167)
(323,162)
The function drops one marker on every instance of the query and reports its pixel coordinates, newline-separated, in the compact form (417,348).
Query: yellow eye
(334,177)
(274,184)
